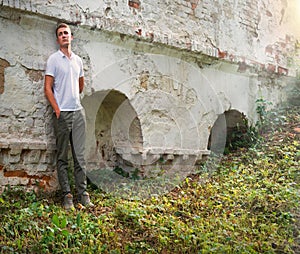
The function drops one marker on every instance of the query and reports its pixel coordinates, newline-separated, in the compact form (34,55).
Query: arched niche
(113,129)
(228,127)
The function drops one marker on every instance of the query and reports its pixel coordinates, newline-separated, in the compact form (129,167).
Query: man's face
(64,37)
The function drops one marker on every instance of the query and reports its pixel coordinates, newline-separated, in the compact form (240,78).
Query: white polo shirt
(66,73)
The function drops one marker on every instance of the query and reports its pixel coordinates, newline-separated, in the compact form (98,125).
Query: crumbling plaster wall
(179,63)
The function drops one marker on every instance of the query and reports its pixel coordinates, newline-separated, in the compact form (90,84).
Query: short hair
(60,25)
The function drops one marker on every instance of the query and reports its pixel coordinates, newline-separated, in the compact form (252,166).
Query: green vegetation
(245,203)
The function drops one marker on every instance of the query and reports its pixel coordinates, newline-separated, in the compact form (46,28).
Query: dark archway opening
(117,130)
(229,132)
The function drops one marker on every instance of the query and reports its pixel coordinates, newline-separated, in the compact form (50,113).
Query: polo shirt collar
(63,55)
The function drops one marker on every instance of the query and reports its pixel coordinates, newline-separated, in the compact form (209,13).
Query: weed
(249,204)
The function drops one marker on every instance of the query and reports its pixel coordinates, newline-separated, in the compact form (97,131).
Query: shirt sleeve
(50,67)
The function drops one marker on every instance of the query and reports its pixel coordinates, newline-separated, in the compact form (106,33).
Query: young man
(64,81)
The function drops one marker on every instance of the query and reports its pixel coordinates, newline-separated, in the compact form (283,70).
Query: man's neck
(67,51)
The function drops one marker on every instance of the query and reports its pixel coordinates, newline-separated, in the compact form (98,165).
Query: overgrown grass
(247,203)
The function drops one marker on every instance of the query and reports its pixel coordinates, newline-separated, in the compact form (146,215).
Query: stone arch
(225,130)
(117,129)
(174,101)
(114,129)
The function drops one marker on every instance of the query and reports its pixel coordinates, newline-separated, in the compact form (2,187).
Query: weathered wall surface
(158,75)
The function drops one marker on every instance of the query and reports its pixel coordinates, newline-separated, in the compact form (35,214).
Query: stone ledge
(155,153)
(25,144)
(163,151)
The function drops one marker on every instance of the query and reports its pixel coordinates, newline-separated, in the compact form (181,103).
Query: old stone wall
(158,75)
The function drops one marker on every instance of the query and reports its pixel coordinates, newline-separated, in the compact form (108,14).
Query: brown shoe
(85,200)
(68,202)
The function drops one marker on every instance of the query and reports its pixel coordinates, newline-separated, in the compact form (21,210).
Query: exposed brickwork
(3,65)
(250,16)
(32,180)
(165,22)
(29,164)
(134,3)
(35,75)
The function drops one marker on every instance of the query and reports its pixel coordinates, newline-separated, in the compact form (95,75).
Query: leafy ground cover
(245,203)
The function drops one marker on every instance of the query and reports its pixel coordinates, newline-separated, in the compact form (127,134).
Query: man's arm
(81,84)
(49,94)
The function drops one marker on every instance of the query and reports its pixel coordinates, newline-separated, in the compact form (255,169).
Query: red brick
(42,181)
(134,4)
